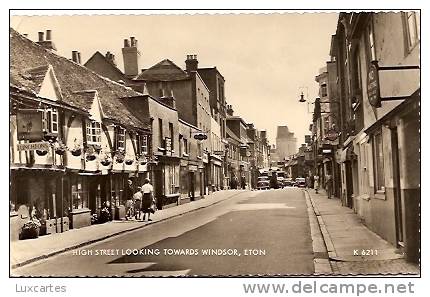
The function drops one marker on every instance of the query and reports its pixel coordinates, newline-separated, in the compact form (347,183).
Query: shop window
(79,193)
(120,138)
(93,132)
(378,161)
(412,22)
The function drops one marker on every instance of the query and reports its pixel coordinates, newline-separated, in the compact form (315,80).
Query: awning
(326,160)
(347,154)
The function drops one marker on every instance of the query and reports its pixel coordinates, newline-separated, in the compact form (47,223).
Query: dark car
(263,183)
(300,182)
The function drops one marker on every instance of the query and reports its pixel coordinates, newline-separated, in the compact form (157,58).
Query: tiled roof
(72,77)
(165,70)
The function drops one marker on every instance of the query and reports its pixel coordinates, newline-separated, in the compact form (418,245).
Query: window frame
(409,43)
(91,126)
(378,162)
(142,144)
(118,135)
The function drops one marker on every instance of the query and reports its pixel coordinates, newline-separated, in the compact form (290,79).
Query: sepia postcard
(215,144)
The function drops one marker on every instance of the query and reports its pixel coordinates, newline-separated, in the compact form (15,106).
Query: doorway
(397,192)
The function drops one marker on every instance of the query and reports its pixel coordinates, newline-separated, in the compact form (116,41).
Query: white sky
(265,58)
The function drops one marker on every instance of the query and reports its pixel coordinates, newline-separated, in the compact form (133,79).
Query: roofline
(189,125)
(210,68)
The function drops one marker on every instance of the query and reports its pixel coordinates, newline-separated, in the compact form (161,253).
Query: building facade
(378,67)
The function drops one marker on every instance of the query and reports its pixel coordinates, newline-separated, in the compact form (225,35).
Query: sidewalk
(344,234)
(26,251)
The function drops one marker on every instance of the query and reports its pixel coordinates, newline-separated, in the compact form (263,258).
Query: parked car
(288,182)
(300,182)
(263,183)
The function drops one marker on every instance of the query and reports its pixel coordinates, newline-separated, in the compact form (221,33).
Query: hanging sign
(29,125)
(373,91)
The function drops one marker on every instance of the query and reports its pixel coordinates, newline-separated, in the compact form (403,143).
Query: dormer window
(93,132)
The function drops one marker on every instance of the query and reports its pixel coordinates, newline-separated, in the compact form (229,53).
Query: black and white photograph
(215,144)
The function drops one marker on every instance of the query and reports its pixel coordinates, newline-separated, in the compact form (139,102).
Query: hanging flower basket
(105,162)
(60,151)
(97,148)
(119,159)
(129,161)
(91,157)
(143,162)
(76,152)
(41,153)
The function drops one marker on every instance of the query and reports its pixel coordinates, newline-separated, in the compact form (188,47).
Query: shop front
(166,175)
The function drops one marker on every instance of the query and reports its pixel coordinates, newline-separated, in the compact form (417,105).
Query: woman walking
(147,200)
(316,183)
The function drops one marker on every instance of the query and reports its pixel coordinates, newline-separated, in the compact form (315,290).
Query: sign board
(331,135)
(219,153)
(200,136)
(192,167)
(168,144)
(373,91)
(29,124)
(31,146)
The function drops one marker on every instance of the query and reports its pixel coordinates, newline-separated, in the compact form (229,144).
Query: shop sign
(192,167)
(217,163)
(168,144)
(41,146)
(29,125)
(331,135)
(373,91)
(205,158)
(200,136)
(219,153)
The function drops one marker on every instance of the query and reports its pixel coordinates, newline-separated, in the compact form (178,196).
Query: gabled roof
(99,57)
(72,78)
(165,70)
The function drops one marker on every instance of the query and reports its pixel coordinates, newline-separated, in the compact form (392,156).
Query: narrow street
(266,233)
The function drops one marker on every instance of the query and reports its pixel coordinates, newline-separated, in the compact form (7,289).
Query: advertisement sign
(331,135)
(373,92)
(41,146)
(29,125)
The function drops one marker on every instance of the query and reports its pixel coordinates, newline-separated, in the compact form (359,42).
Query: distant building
(286,143)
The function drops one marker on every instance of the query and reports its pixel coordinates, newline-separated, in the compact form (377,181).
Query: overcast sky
(265,58)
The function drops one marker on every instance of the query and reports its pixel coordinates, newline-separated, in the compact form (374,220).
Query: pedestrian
(316,183)
(137,203)
(129,202)
(148,199)
(329,185)
(311,181)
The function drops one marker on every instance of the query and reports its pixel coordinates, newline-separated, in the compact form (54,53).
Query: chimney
(48,43)
(131,56)
(230,110)
(191,63)
(111,58)
(75,57)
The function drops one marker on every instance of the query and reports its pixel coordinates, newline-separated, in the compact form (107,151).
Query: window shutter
(84,132)
(115,138)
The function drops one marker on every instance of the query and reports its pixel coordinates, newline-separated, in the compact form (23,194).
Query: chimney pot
(40,36)
(132,43)
(126,43)
(75,56)
(48,34)
(79,57)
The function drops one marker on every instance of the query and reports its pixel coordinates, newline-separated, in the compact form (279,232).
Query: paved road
(259,232)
